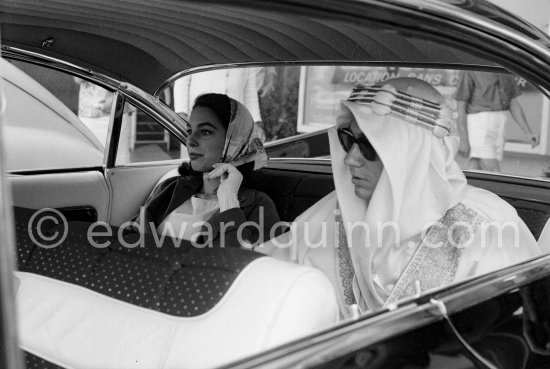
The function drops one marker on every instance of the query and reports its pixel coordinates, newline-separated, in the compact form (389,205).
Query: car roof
(147,42)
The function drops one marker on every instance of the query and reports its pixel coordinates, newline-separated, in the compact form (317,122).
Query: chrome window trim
(170,81)
(163,114)
(156,163)
(132,94)
(10,52)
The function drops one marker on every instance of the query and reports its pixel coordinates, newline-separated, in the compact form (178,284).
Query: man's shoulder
(492,207)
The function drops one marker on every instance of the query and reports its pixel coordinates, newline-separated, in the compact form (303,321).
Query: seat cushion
(163,304)
(269,303)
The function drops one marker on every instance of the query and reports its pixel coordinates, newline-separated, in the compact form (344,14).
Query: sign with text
(322,88)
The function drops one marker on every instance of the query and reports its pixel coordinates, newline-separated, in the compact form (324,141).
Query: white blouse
(185,222)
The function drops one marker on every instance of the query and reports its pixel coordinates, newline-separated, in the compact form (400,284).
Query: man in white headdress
(403,219)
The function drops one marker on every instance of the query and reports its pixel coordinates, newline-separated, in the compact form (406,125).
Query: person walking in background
(239,83)
(265,81)
(483,102)
(94,110)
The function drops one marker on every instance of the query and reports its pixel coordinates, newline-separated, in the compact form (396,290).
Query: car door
(500,321)
(88,150)
(10,354)
(149,145)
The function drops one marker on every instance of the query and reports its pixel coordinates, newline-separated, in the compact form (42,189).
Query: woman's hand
(230,182)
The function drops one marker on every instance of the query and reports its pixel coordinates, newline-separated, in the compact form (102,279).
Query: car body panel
(30,107)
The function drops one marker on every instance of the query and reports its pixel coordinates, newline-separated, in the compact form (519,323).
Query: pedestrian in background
(483,102)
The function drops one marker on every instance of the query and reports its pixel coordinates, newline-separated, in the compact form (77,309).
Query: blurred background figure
(483,102)
(265,81)
(94,110)
(278,89)
(238,83)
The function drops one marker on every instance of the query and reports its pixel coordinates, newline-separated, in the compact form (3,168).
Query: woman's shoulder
(176,180)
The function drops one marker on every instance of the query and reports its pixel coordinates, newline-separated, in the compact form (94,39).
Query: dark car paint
(473,311)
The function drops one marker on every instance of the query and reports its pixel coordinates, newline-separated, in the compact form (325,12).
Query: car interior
(187,293)
(294,192)
(103,297)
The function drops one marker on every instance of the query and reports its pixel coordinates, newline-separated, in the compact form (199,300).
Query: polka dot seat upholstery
(202,291)
(35,362)
(182,281)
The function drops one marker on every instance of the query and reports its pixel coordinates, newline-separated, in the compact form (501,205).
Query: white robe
(419,184)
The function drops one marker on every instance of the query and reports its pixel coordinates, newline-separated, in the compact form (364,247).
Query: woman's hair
(218,103)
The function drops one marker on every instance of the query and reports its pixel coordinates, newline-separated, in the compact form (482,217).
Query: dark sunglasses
(347,139)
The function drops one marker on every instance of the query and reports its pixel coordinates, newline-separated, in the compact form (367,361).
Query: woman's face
(206,139)
(364,173)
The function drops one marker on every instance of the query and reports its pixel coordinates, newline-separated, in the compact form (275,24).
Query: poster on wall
(322,88)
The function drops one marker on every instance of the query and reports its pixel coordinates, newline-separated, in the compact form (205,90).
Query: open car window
(143,139)
(292,105)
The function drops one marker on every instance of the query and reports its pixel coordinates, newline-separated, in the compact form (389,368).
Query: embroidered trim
(345,265)
(435,262)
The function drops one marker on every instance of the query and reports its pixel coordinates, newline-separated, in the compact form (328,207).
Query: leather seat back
(269,303)
(173,306)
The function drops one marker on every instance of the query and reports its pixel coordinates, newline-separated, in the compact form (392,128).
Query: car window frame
(10,354)
(271,146)
(143,101)
(54,169)
(123,92)
(393,321)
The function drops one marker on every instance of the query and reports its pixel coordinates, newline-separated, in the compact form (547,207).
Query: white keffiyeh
(420,186)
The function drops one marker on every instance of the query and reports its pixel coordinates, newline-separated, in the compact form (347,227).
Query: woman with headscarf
(206,203)
(403,219)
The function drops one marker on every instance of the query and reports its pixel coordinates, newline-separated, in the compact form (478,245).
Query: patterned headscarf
(242,143)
